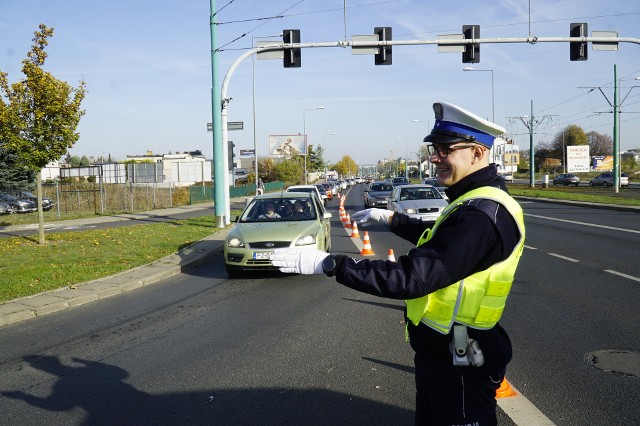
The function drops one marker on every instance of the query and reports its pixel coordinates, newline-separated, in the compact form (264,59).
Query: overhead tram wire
(266,20)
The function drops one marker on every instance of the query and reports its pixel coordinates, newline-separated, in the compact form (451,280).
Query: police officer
(455,282)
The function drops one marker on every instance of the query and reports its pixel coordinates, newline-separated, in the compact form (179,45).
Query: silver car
(422,202)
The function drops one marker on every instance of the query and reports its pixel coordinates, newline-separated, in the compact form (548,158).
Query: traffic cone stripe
(366,247)
(390,255)
(347,223)
(354,230)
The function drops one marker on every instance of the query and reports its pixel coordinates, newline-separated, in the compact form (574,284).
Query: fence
(203,194)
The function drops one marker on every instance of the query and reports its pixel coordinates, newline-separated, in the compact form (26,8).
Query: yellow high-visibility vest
(478,300)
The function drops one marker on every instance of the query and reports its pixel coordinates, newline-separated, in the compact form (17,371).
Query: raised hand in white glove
(372,215)
(299,261)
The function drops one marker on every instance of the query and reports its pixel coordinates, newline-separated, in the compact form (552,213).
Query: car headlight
(235,242)
(410,211)
(306,240)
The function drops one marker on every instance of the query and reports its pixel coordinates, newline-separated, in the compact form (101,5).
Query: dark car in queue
(377,194)
(566,179)
(276,220)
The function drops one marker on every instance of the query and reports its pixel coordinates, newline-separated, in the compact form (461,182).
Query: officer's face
(455,161)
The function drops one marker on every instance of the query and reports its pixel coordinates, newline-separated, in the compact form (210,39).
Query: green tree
(346,166)
(39,114)
(290,171)
(13,174)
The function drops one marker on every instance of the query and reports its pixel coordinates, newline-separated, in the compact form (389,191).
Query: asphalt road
(276,349)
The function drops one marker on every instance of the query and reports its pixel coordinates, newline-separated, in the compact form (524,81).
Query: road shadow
(101,391)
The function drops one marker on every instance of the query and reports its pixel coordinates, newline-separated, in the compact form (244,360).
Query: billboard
(578,159)
(286,146)
(603,163)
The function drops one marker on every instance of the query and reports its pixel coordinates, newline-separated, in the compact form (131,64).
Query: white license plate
(261,255)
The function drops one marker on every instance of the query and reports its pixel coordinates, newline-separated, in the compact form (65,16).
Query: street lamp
(253,78)
(325,145)
(406,149)
(304,132)
(420,149)
(493,104)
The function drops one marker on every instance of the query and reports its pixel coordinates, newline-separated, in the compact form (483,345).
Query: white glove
(299,261)
(372,215)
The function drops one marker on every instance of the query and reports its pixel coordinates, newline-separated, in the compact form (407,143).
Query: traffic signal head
(471,54)
(578,49)
(292,56)
(383,57)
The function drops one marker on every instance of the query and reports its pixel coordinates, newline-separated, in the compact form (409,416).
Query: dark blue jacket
(474,237)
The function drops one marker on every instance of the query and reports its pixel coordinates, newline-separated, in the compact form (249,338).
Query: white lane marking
(623,275)
(564,257)
(613,228)
(530,248)
(522,411)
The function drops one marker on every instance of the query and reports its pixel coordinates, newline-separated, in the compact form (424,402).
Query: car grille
(429,210)
(269,244)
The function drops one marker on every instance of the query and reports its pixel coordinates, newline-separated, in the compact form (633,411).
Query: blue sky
(147,66)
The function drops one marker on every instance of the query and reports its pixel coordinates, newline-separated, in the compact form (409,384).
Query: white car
(419,201)
(308,188)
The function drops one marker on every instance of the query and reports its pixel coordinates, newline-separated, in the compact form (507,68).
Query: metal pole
(616,134)
(532,176)
(219,170)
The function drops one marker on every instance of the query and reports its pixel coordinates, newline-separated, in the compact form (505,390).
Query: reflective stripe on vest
(478,300)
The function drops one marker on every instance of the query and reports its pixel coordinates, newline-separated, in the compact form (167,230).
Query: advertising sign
(578,159)
(603,163)
(286,146)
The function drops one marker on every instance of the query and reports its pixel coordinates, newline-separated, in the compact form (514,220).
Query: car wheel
(605,184)
(576,184)
(590,183)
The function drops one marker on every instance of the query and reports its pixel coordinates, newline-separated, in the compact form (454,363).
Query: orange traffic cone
(366,246)
(347,224)
(505,390)
(354,230)
(390,255)
(344,220)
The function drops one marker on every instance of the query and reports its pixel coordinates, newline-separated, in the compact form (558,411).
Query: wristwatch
(329,265)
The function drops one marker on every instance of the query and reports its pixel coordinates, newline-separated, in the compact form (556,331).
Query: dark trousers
(448,395)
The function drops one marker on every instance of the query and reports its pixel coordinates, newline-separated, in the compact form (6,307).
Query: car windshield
(382,187)
(419,194)
(279,210)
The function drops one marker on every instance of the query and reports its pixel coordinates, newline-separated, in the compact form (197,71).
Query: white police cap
(454,124)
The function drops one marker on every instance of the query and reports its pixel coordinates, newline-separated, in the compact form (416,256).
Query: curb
(29,307)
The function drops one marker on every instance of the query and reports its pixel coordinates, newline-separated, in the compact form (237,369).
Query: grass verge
(28,268)
(627,197)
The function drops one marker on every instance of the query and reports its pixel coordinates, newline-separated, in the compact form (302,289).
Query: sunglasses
(443,151)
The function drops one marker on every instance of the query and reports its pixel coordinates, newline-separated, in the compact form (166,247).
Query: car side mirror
(235,218)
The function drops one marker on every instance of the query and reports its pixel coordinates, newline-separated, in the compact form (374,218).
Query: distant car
(566,179)
(508,177)
(5,208)
(434,182)
(377,194)
(328,189)
(400,181)
(47,203)
(606,179)
(308,188)
(419,201)
(18,205)
(257,232)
